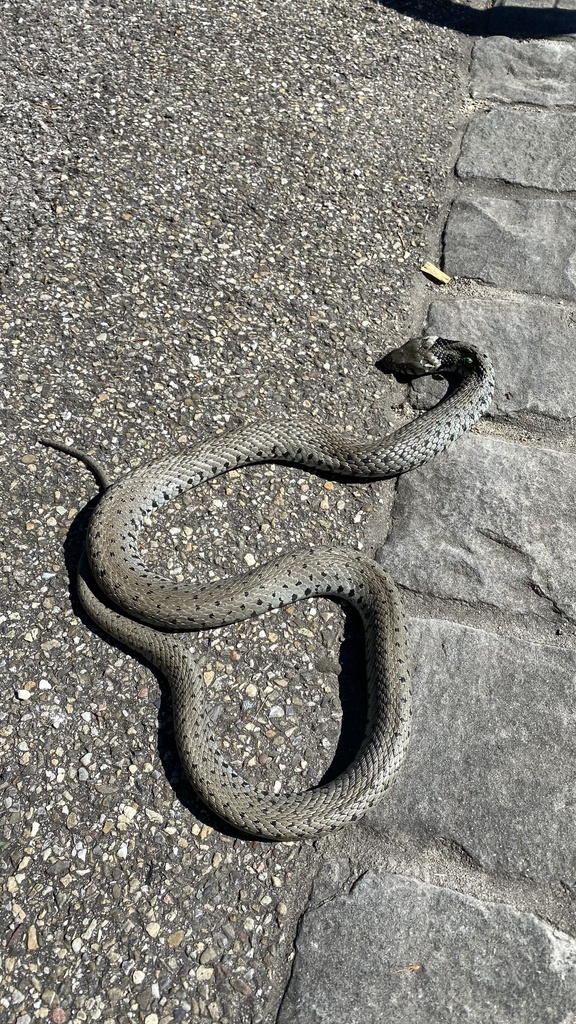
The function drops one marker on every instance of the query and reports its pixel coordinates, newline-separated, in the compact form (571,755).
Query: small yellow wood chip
(438,275)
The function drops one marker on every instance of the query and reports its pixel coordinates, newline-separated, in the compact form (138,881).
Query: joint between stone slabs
(524,429)
(464,288)
(460,287)
(457,871)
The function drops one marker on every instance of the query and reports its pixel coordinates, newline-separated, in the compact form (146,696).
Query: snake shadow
(351,685)
(166,746)
(516,22)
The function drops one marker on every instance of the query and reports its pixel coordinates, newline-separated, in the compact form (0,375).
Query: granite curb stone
(529,343)
(490,766)
(400,951)
(521,147)
(528,245)
(480,525)
(524,72)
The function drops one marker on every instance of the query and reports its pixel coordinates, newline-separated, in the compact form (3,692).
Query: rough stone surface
(397,951)
(529,343)
(490,766)
(521,147)
(490,522)
(510,71)
(524,244)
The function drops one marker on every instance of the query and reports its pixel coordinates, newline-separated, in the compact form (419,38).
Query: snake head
(414,359)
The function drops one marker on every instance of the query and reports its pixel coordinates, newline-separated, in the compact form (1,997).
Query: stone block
(521,147)
(531,344)
(400,951)
(492,523)
(510,71)
(528,245)
(491,761)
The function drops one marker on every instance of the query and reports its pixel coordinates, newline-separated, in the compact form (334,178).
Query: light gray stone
(510,71)
(530,343)
(489,522)
(491,761)
(400,951)
(521,147)
(523,244)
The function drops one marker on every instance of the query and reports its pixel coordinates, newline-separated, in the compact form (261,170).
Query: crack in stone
(504,542)
(556,608)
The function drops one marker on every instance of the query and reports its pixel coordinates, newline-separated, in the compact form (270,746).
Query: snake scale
(143,610)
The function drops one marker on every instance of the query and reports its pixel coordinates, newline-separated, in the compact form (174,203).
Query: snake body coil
(141,609)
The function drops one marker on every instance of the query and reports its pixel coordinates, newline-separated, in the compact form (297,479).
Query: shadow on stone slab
(516,22)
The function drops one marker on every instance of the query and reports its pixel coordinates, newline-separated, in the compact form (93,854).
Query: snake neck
(464,405)
(113,545)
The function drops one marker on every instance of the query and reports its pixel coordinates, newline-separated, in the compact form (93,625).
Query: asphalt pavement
(214,215)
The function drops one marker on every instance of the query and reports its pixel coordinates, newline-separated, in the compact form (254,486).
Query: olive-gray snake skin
(142,609)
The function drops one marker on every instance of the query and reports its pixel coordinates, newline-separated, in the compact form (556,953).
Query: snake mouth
(413,359)
(426,354)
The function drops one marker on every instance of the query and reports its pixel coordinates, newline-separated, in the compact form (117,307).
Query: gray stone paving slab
(491,761)
(521,147)
(490,522)
(529,343)
(528,245)
(542,72)
(400,951)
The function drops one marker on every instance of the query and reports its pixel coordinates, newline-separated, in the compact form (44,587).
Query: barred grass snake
(142,609)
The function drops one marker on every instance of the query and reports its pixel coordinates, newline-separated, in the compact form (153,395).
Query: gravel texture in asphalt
(210,214)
